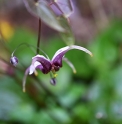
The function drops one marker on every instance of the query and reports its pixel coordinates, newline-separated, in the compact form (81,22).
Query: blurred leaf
(61,115)
(83,112)
(105,47)
(10,96)
(116,76)
(94,92)
(42,10)
(75,92)
(42,117)
(23,113)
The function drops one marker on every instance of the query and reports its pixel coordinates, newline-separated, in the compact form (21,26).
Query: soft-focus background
(91,96)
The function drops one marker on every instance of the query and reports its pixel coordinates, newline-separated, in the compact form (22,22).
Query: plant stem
(39,36)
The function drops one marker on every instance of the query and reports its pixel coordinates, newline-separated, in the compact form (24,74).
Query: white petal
(24,79)
(31,69)
(60,50)
(33,66)
(70,48)
(36,64)
(41,56)
(70,64)
(81,48)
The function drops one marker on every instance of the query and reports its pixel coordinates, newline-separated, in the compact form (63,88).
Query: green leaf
(23,113)
(60,114)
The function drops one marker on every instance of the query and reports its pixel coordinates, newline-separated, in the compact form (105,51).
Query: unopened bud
(53,81)
(14,60)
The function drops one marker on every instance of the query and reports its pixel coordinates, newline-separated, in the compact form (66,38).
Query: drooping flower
(64,7)
(45,65)
(47,11)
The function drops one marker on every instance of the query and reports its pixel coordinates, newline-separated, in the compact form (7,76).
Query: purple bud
(14,60)
(53,81)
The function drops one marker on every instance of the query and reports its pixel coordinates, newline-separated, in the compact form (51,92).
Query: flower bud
(53,81)
(14,60)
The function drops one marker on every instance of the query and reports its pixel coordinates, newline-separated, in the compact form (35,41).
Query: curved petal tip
(24,90)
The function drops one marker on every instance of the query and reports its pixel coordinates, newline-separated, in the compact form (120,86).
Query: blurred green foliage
(91,96)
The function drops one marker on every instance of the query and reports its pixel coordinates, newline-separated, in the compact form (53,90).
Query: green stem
(39,36)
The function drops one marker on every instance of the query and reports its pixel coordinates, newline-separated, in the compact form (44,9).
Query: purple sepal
(44,62)
(40,67)
(57,58)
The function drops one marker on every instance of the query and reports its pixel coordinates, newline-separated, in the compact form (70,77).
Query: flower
(51,66)
(64,6)
(48,11)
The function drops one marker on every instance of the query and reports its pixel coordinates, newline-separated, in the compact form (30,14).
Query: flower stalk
(39,35)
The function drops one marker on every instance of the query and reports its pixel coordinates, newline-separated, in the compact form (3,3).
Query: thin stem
(39,35)
(29,45)
(21,45)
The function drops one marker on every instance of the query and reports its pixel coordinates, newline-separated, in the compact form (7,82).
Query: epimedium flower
(64,7)
(45,65)
(55,14)
(47,11)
